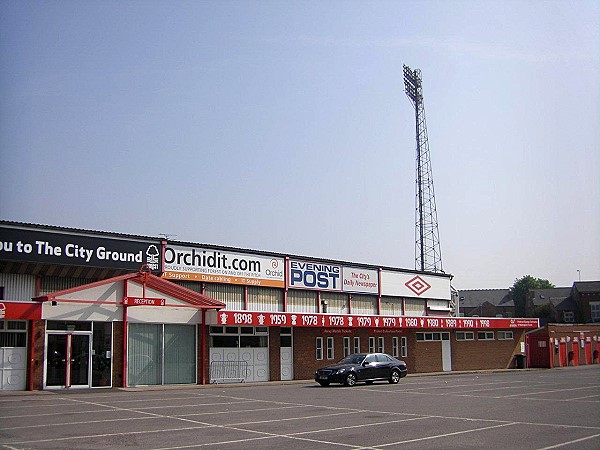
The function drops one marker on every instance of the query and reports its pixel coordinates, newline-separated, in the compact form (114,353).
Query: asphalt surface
(520,409)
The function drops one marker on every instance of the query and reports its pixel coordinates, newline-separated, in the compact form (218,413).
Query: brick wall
(117,355)
(422,357)
(274,355)
(485,354)
(39,340)
(305,361)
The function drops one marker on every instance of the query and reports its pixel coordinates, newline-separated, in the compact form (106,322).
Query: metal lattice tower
(428,255)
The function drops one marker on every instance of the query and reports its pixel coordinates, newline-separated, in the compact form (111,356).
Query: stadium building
(91,309)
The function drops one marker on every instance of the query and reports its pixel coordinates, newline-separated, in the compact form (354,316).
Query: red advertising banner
(246,318)
(143,301)
(20,310)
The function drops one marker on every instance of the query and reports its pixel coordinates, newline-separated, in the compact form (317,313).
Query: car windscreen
(352,359)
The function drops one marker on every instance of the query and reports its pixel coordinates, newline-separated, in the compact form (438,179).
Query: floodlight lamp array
(412,84)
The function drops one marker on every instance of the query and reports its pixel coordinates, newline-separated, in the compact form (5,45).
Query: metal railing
(228,371)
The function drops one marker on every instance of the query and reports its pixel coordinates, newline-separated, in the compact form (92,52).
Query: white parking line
(438,436)
(564,444)
(110,408)
(552,390)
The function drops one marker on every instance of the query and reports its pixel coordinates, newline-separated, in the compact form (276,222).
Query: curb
(234,385)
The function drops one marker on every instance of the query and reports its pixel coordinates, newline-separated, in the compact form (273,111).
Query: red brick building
(77,311)
(560,345)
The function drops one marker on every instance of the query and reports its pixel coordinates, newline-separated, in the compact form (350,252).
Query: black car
(367,367)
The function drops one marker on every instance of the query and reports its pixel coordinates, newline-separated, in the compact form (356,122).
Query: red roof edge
(150,280)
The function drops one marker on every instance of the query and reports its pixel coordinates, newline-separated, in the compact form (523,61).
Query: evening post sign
(50,247)
(331,277)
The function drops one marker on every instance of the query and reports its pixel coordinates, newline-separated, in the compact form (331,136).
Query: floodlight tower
(428,255)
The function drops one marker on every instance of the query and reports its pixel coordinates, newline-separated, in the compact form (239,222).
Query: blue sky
(283,126)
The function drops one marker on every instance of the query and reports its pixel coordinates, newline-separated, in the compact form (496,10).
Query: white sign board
(221,266)
(413,285)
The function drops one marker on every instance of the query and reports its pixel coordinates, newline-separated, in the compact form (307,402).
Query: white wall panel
(395,284)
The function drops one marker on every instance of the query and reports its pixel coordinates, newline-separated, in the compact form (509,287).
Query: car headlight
(341,371)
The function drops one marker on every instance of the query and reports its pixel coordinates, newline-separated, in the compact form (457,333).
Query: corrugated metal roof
(212,246)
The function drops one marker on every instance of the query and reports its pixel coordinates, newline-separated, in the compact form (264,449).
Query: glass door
(56,360)
(79,370)
(68,360)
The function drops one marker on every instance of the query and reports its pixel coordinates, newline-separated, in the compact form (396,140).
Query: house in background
(553,305)
(486,303)
(586,295)
(577,304)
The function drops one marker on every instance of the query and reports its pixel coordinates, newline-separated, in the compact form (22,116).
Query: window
(568,316)
(395,346)
(161,354)
(505,335)
(346,346)
(485,335)
(330,347)
(381,344)
(356,345)
(403,347)
(370,359)
(319,348)
(422,337)
(465,336)
(15,334)
(595,310)
(285,337)
(371,344)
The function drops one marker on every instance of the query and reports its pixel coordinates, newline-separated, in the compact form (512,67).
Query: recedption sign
(42,246)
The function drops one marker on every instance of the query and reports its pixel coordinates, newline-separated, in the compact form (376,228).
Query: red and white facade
(91,319)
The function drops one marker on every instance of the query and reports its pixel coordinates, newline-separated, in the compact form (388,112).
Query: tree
(545,313)
(520,290)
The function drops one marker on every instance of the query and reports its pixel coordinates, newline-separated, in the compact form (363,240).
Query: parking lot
(524,409)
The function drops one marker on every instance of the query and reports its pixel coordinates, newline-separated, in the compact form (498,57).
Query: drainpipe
(203,347)
(124,306)
(31,354)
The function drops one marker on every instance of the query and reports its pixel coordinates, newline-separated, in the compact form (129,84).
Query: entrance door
(446,353)
(68,360)
(285,356)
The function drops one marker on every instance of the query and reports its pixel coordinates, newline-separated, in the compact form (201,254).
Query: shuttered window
(302,301)
(230,294)
(144,363)
(364,304)
(265,299)
(414,307)
(336,303)
(391,306)
(180,354)
(161,354)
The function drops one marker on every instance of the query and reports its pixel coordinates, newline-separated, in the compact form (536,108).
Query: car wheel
(324,383)
(350,379)
(394,377)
